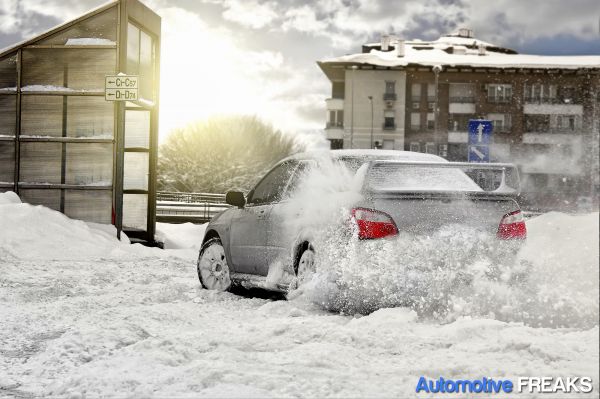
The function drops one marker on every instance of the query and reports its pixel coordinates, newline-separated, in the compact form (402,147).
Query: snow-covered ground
(83,315)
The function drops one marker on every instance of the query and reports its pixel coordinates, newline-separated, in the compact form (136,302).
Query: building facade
(544,108)
(62,144)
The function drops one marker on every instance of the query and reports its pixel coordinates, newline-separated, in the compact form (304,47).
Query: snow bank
(9,197)
(35,232)
(181,236)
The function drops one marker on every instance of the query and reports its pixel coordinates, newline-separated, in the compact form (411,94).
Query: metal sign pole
(120,166)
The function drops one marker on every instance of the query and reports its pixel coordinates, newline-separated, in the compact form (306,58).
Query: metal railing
(177,207)
(465,100)
(334,125)
(551,100)
(389,96)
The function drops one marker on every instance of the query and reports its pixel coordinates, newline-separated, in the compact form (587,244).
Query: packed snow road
(84,315)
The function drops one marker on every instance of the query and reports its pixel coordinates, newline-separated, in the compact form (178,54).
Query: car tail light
(373,224)
(512,226)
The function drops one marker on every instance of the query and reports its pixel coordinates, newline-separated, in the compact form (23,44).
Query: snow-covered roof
(13,47)
(456,51)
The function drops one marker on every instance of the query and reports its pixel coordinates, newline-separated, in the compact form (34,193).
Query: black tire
(301,267)
(212,267)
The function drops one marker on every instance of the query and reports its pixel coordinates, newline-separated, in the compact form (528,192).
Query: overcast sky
(259,57)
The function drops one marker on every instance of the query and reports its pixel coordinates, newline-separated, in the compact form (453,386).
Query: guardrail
(176,207)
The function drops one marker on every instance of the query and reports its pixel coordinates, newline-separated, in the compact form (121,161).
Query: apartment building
(419,96)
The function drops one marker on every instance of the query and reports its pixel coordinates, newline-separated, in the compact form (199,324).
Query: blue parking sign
(480,131)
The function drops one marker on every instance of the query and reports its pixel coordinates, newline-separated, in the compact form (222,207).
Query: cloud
(303,19)
(249,13)
(258,57)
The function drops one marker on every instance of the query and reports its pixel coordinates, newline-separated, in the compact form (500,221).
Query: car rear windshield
(398,177)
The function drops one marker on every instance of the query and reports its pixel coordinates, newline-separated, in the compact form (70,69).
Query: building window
(415,147)
(459,122)
(430,92)
(537,123)
(462,93)
(501,122)
(567,95)
(565,123)
(499,93)
(390,90)
(430,121)
(430,148)
(443,150)
(337,90)
(415,121)
(415,92)
(336,119)
(539,93)
(336,144)
(389,120)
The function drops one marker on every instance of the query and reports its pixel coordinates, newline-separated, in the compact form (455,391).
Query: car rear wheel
(306,266)
(213,270)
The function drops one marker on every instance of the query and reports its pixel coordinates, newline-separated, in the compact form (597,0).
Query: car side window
(299,175)
(272,186)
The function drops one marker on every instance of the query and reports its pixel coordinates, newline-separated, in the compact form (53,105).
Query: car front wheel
(306,266)
(213,270)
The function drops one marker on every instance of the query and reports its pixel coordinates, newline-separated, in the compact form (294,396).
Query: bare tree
(221,154)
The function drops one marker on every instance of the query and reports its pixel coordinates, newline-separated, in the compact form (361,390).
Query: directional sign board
(480,131)
(479,153)
(121,88)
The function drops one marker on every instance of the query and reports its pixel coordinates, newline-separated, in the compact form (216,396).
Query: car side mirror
(235,198)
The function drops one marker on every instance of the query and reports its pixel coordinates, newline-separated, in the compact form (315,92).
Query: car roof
(373,154)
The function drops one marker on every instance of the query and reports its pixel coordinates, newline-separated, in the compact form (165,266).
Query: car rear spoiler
(499,179)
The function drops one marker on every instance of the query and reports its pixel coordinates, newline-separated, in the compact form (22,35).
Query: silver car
(263,241)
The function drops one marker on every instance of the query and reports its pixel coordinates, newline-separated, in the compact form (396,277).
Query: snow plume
(321,200)
(551,280)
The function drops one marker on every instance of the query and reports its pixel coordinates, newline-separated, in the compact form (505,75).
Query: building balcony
(499,100)
(334,125)
(462,100)
(550,100)
(389,96)
(334,104)
(548,109)
(553,139)
(554,130)
(458,137)
(334,133)
(388,126)
(461,108)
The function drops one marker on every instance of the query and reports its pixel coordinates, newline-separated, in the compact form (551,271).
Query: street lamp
(371,101)
(354,68)
(436,70)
